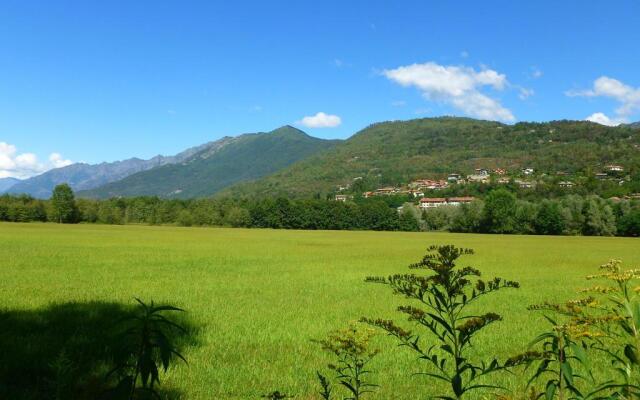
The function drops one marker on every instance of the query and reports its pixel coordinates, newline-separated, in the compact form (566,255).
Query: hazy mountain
(635,124)
(82,176)
(214,168)
(397,152)
(7,183)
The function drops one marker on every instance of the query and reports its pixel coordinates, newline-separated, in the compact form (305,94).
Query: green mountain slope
(397,152)
(232,160)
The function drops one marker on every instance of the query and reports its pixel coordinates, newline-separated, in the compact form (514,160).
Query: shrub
(147,335)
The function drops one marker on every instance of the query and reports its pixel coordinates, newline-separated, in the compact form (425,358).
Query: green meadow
(256,298)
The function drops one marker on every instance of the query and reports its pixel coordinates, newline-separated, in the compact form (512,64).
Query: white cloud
(628,97)
(458,86)
(321,120)
(536,73)
(525,93)
(57,161)
(602,119)
(398,103)
(25,165)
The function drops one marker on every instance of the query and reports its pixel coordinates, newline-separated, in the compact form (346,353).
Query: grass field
(257,297)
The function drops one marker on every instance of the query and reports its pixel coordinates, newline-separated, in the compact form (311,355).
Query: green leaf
(550,392)
(579,353)
(631,353)
(456,385)
(567,371)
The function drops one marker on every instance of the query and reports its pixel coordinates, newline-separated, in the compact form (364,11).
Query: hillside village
(424,190)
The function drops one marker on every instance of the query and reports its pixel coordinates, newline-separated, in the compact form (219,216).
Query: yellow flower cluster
(615,272)
(353,340)
(577,330)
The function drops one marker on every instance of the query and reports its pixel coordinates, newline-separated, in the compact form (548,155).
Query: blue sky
(103,81)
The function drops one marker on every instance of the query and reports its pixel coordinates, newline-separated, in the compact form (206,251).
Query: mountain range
(287,161)
(230,160)
(81,176)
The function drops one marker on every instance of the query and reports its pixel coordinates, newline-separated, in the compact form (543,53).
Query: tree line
(500,211)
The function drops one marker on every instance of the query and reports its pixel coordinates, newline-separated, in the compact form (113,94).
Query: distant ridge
(213,168)
(82,176)
(7,183)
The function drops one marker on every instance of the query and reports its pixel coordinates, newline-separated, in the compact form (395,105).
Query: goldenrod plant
(607,321)
(353,351)
(618,306)
(562,362)
(444,295)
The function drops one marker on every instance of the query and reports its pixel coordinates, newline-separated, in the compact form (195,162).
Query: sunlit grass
(259,296)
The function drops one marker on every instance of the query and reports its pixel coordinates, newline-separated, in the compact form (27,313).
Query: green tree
(599,218)
(237,217)
(573,217)
(468,217)
(63,204)
(499,214)
(109,213)
(185,218)
(526,213)
(549,220)
(377,216)
(629,224)
(408,222)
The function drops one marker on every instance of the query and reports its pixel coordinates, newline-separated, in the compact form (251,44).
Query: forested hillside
(400,151)
(242,158)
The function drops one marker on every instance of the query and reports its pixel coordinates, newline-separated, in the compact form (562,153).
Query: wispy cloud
(536,73)
(525,93)
(459,86)
(321,120)
(25,165)
(398,103)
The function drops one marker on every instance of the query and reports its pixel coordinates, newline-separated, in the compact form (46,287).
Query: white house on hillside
(434,202)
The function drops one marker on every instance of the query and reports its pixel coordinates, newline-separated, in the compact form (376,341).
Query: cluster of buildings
(419,187)
(393,191)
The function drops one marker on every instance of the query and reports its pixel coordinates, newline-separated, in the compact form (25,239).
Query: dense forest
(499,211)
